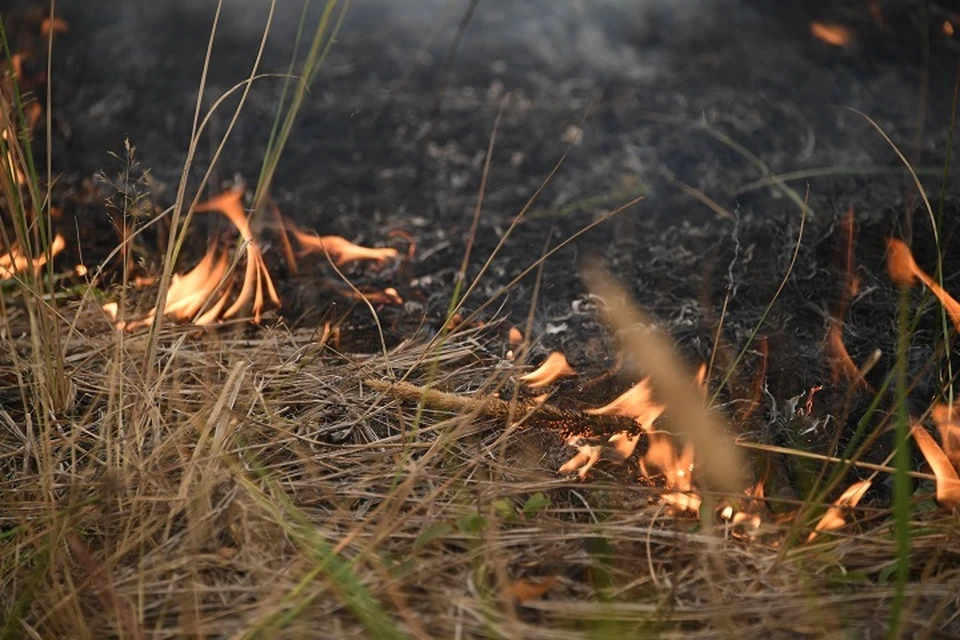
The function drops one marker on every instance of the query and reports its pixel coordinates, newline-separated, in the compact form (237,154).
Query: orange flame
(947,419)
(552,369)
(841,364)
(676,468)
(190,293)
(341,250)
(15,261)
(834,519)
(831,33)
(635,403)
(948,483)
(903,270)
(256,279)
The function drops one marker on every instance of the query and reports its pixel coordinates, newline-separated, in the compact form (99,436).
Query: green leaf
(535,504)
(472,523)
(505,509)
(431,533)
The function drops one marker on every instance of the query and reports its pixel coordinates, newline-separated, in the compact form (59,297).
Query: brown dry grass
(261,489)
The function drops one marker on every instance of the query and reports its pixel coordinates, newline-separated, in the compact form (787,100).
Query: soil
(395,134)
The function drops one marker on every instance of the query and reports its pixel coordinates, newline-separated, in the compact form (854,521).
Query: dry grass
(265,491)
(242,482)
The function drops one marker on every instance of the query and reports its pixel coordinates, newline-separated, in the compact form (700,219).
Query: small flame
(256,279)
(831,33)
(189,294)
(948,483)
(947,419)
(842,365)
(903,270)
(53,25)
(515,337)
(112,309)
(341,250)
(15,261)
(948,28)
(676,468)
(552,369)
(635,403)
(834,519)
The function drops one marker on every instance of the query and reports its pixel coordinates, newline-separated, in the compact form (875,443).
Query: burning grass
(261,482)
(264,486)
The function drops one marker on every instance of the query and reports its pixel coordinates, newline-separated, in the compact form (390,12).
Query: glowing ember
(833,34)
(256,280)
(834,519)
(903,269)
(341,250)
(515,337)
(948,28)
(948,483)
(552,369)
(15,261)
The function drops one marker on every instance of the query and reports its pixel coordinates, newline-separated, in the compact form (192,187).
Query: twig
(568,423)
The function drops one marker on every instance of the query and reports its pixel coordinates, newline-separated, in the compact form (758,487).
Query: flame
(831,33)
(189,294)
(749,514)
(112,309)
(834,519)
(947,419)
(635,403)
(387,296)
(15,261)
(903,270)
(256,279)
(675,466)
(552,369)
(948,483)
(515,337)
(841,364)
(54,25)
(341,250)
(948,28)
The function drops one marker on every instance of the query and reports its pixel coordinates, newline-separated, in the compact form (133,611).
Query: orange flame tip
(904,270)
(834,519)
(948,483)
(341,250)
(833,34)
(552,369)
(637,403)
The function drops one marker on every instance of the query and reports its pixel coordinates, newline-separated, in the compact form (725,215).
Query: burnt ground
(392,139)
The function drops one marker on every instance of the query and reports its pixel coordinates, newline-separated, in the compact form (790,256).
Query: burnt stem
(568,423)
